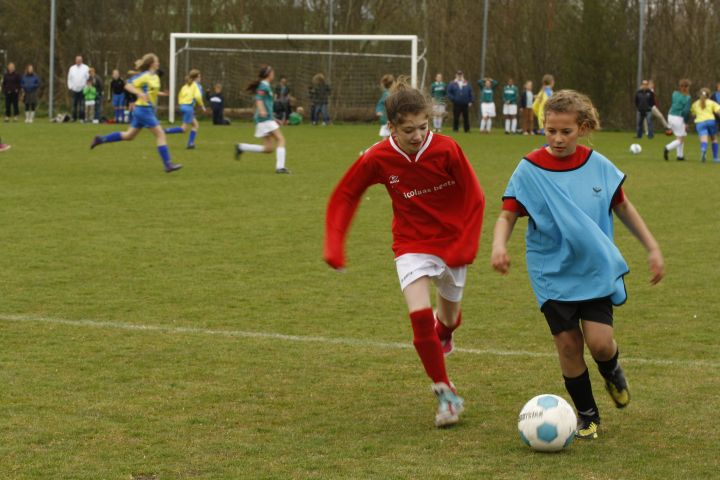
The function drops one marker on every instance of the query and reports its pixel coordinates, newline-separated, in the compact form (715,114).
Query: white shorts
(438,109)
(487,110)
(263,129)
(509,109)
(385,131)
(449,281)
(677,124)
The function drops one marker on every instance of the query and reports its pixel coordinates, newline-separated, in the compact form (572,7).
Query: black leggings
(11,101)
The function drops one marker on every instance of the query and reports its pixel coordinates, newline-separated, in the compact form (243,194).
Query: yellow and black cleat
(616,385)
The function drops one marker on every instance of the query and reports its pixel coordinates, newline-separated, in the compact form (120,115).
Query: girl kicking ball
(438,208)
(569,193)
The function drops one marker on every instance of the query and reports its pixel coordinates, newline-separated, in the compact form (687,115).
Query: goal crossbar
(174,37)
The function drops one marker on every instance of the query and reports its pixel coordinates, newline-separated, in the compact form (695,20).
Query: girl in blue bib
(569,194)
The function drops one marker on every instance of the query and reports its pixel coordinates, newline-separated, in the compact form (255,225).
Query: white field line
(325,340)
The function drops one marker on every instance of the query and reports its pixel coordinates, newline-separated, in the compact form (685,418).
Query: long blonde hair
(704,95)
(146,62)
(193,75)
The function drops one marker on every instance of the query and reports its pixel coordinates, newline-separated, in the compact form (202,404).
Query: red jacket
(437,201)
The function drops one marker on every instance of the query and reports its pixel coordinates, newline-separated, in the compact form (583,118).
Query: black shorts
(564,316)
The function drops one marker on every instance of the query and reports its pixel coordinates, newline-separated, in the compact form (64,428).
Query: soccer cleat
(4,147)
(191,147)
(238,152)
(616,385)
(171,167)
(680,159)
(450,405)
(665,154)
(587,428)
(96,141)
(703,157)
(282,170)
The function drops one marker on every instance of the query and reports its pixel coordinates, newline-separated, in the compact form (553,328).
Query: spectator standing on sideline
(89,98)
(644,102)
(487,103)
(510,106)
(78,75)
(11,85)
(460,94)
(438,93)
(319,94)
(526,111)
(282,101)
(30,84)
(541,98)
(117,92)
(99,89)
(217,104)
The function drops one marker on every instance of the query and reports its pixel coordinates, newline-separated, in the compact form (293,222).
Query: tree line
(588,45)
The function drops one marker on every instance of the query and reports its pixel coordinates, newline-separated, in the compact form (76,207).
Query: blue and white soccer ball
(547,423)
(635,148)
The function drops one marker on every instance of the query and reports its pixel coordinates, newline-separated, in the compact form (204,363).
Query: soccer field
(184,326)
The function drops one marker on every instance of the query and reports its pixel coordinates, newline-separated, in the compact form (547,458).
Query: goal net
(352,66)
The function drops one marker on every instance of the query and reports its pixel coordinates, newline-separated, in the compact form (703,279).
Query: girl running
(190,95)
(265,126)
(438,208)
(678,118)
(146,86)
(569,193)
(704,111)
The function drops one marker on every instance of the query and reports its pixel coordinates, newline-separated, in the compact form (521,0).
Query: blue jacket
(30,83)
(461,95)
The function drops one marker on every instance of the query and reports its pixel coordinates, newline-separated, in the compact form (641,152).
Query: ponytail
(264,73)
(193,75)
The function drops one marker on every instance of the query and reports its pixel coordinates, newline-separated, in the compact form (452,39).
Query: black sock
(580,391)
(607,367)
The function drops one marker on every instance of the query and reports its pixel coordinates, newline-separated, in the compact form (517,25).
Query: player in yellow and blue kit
(704,111)
(265,125)
(189,96)
(146,85)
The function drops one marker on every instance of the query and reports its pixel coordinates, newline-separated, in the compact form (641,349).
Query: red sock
(428,345)
(443,331)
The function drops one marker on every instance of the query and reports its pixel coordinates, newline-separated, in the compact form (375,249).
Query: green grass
(225,246)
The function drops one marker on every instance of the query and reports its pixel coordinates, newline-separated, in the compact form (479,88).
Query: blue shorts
(118,100)
(708,127)
(188,112)
(144,117)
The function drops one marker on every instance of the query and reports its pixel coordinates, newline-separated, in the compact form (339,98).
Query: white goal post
(175,37)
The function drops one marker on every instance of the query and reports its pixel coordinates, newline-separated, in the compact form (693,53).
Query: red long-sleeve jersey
(437,200)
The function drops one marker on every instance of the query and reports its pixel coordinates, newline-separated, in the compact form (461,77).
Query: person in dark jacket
(30,84)
(11,86)
(460,94)
(644,102)
(319,93)
(217,105)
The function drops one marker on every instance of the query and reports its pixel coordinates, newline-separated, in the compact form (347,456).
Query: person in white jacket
(78,75)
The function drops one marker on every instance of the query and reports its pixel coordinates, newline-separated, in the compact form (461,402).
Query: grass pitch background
(225,246)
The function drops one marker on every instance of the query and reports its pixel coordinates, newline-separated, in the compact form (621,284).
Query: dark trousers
(11,102)
(642,116)
(78,105)
(461,109)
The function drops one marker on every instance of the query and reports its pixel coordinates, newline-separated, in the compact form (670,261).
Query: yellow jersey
(190,95)
(149,83)
(704,114)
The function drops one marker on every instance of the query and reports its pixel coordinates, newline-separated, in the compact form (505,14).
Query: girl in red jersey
(438,208)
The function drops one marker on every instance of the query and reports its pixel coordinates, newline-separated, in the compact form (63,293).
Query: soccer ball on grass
(635,148)
(547,423)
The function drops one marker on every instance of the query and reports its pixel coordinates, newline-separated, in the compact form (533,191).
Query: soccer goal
(351,65)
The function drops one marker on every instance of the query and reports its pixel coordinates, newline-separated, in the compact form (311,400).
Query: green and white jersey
(511,94)
(264,93)
(486,93)
(680,105)
(438,91)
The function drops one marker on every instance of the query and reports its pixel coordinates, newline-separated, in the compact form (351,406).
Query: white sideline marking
(325,340)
